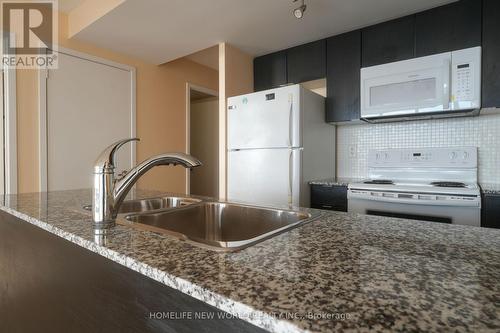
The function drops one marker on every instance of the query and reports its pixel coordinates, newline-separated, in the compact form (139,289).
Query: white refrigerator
(278,141)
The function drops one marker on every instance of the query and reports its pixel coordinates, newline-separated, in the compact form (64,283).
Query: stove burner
(380,182)
(448,184)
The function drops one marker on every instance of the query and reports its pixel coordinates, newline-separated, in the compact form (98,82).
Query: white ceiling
(159,31)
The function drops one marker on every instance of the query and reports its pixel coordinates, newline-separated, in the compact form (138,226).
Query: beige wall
(161,112)
(204,145)
(238,72)
(27,131)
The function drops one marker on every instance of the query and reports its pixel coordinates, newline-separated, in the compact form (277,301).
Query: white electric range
(429,184)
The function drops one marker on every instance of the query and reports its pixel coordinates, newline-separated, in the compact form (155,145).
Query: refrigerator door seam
(270,148)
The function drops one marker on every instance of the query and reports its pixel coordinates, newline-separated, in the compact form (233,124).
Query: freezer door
(266,177)
(268,119)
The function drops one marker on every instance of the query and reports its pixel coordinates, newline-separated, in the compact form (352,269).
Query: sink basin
(221,226)
(146,205)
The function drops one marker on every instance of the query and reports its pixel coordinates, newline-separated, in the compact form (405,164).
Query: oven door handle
(461,203)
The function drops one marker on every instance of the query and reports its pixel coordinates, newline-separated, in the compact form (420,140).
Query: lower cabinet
(48,284)
(330,197)
(490,215)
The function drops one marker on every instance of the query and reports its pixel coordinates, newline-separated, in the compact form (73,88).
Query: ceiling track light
(299,12)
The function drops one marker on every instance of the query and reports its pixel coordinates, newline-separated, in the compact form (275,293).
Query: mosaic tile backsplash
(354,141)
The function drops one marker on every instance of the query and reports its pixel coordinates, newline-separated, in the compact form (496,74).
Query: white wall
(354,141)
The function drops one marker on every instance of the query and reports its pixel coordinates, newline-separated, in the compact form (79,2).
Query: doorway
(203,140)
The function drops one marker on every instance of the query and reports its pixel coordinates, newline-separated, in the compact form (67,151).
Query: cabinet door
(389,41)
(343,77)
(448,28)
(307,62)
(491,54)
(270,71)
(490,217)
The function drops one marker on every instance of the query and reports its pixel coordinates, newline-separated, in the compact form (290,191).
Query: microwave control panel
(466,77)
(463,88)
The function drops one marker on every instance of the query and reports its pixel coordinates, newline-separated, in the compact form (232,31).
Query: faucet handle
(106,160)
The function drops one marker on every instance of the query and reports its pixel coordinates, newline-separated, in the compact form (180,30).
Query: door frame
(208,91)
(10,126)
(43,75)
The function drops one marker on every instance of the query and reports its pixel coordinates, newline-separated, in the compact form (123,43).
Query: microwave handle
(446,83)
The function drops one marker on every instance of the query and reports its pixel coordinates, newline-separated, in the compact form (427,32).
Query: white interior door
(89,106)
(267,177)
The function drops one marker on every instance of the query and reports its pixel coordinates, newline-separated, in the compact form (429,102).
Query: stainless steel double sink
(220,226)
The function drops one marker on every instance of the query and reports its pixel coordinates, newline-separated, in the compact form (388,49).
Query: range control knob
(453,155)
(465,155)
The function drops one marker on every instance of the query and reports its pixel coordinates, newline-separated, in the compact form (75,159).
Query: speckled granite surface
(339,181)
(490,188)
(343,272)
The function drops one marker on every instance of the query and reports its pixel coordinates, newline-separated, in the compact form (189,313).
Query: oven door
(462,213)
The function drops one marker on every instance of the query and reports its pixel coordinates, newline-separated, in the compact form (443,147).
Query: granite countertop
(490,188)
(336,181)
(342,272)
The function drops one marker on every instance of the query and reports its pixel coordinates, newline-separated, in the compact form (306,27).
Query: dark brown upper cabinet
(389,41)
(307,62)
(448,28)
(459,25)
(491,54)
(343,77)
(270,71)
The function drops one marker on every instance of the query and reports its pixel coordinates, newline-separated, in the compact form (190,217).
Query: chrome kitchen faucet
(109,191)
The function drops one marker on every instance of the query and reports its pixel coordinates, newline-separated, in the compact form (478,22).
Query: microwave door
(442,97)
(409,93)
(446,84)
(405,89)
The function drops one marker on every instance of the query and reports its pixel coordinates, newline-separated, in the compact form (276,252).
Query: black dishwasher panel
(329,197)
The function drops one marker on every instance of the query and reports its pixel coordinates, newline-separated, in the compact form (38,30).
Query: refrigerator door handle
(290,178)
(290,122)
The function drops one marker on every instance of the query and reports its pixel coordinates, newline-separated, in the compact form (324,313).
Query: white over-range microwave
(441,85)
